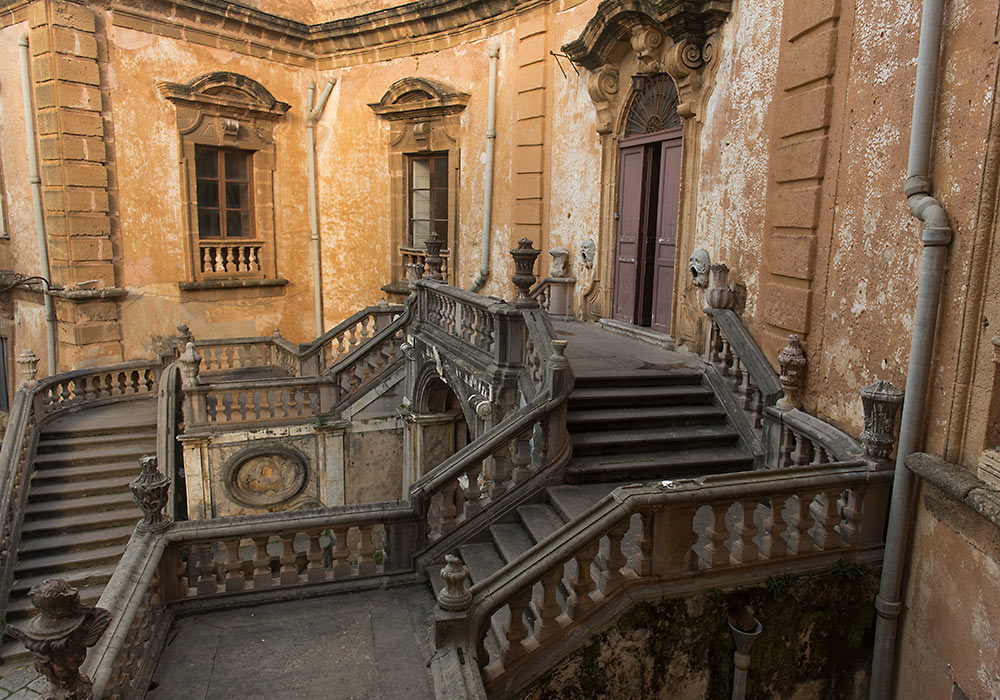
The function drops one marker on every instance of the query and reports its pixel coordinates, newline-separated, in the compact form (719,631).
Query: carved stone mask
(698,266)
(588,251)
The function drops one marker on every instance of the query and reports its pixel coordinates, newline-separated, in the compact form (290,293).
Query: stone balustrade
(218,258)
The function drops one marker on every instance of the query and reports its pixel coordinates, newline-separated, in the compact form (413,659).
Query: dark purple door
(665,243)
(627,252)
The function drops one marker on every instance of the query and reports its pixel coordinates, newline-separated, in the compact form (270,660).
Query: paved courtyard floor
(372,645)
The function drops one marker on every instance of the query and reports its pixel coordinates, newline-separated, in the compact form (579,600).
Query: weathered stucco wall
(948,633)
(815,642)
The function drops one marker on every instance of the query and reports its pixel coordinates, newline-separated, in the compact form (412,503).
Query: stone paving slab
(372,645)
(593,349)
(23,683)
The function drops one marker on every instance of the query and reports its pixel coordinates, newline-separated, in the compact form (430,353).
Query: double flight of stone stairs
(627,426)
(80,513)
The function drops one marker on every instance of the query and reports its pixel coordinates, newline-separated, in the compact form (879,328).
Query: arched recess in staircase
(437,427)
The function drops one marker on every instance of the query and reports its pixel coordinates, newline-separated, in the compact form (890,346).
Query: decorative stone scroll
(58,638)
(150,490)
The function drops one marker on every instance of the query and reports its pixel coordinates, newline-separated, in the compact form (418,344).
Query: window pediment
(225,93)
(419,99)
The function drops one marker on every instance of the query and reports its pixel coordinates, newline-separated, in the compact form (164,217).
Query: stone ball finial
(58,638)
(792,360)
(151,490)
(454,597)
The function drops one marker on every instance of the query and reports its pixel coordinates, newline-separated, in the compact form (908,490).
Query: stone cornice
(419,98)
(224,91)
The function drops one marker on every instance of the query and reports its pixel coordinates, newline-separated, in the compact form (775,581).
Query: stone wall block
(82,123)
(532,48)
(531,103)
(531,131)
(530,77)
(84,199)
(528,212)
(797,208)
(86,271)
(77,70)
(90,248)
(805,160)
(786,306)
(72,42)
(805,111)
(97,311)
(85,174)
(530,159)
(791,253)
(96,332)
(53,199)
(800,17)
(84,225)
(74,16)
(527,185)
(808,59)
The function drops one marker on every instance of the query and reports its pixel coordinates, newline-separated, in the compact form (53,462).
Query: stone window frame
(423,119)
(227,110)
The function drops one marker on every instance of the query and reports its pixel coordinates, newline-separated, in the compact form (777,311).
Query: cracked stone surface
(373,645)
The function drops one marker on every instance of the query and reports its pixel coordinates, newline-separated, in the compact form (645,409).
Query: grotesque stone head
(588,252)
(698,266)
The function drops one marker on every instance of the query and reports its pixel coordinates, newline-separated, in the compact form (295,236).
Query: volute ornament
(150,491)
(58,638)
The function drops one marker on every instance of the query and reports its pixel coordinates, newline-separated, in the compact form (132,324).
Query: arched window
(654,108)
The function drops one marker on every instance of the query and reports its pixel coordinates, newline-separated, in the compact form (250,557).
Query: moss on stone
(817,635)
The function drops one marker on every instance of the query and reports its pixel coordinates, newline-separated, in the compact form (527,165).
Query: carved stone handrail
(829,514)
(804,439)
(33,406)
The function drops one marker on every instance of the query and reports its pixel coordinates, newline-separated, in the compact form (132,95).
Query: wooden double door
(649,179)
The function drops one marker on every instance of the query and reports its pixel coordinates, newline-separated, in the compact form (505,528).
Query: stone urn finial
(560,261)
(58,637)
(150,490)
(454,597)
(524,264)
(433,260)
(718,295)
(190,365)
(793,361)
(881,401)
(27,361)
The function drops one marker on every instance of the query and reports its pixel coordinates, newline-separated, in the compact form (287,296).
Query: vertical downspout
(935,236)
(313,113)
(491,137)
(36,201)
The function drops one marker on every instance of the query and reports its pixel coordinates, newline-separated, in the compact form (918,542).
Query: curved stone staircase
(80,513)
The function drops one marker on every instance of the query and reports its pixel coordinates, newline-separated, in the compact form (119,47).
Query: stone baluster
(786,446)
(207,584)
(454,597)
(366,552)
(825,533)
(233,566)
(341,552)
(850,527)
(546,625)
(799,540)
(150,491)
(612,576)
(714,553)
(582,582)
(289,572)
(744,547)
(433,258)
(803,450)
(58,638)
(524,263)
(515,631)
(262,577)
(315,571)
(772,544)
(737,372)
(522,458)
(644,558)
(881,401)
(449,510)
(472,492)
(793,362)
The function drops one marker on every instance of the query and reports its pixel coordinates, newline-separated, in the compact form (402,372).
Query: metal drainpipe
(313,113)
(491,137)
(935,236)
(36,201)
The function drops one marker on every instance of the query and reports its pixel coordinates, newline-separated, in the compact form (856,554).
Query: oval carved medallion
(267,479)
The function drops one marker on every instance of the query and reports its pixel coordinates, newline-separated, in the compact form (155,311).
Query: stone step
(571,501)
(632,417)
(591,397)
(97,455)
(78,578)
(540,520)
(20,607)
(76,489)
(655,466)
(128,416)
(618,442)
(638,377)
(55,563)
(83,504)
(72,443)
(102,470)
(66,524)
(511,540)
(89,539)
(481,558)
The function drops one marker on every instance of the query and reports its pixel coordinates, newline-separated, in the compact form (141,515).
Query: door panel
(628,240)
(665,242)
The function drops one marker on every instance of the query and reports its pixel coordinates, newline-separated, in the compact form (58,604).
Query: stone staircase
(80,513)
(627,426)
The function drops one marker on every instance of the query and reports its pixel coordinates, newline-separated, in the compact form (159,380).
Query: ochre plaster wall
(948,633)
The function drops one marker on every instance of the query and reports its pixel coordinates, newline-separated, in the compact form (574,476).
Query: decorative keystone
(524,264)
(58,637)
(881,401)
(454,597)
(718,295)
(560,261)
(793,364)
(433,260)
(190,364)
(150,491)
(27,362)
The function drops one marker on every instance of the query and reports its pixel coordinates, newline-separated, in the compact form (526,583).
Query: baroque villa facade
(279,164)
